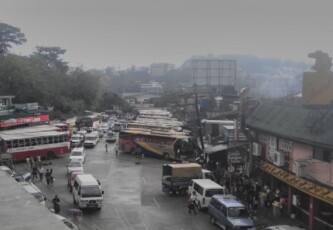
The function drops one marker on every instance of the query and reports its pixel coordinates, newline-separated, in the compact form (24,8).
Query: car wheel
(212,220)
(166,156)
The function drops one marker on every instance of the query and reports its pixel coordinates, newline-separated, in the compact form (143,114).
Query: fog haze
(97,34)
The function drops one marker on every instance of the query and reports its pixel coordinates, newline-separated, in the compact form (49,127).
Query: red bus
(46,144)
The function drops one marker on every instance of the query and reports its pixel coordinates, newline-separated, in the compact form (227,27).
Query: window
(198,189)
(56,139)
(61,138)
(39,141)
(21,143)
(285,145)
(217,204)
(27,142)
(15,143)
(44,140)
(322,154)
(50,140)
(33,141)
(263,139)
(76,185)
(9,144)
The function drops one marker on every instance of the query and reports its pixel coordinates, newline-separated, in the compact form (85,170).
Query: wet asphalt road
(133,199)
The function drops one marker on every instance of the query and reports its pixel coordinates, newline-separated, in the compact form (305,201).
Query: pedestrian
(191,203)
(51,177)
(47,176)
(116,149)
(56,205)
(106,147)
(34,171)
(41,173)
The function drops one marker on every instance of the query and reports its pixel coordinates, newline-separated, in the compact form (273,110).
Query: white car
(67,222)
(78,154)
(74,166)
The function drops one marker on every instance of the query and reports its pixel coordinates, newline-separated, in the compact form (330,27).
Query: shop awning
(306,186)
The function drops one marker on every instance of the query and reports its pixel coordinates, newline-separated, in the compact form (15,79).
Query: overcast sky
(121,33)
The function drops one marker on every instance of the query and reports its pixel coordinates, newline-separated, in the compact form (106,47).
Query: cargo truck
(177,177)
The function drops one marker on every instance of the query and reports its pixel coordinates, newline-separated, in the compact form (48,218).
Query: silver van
(229,213)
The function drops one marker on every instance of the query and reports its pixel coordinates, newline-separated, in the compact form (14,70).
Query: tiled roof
(313,126)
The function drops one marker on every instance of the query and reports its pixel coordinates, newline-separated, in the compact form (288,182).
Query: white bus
(91,139)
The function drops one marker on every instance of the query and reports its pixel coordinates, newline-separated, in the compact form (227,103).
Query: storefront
(308,202)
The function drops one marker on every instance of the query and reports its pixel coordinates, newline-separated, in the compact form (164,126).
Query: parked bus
(46,144)
(154,143)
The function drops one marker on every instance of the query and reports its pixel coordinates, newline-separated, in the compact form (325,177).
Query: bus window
(61,138)
(9,144)
(56,139)
(44,140)
(27,142)
(15,143)
(50,140)
(39,141)
(21,143)
(33,141)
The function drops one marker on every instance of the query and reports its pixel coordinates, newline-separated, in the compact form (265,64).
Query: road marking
(144,180)
(156,202)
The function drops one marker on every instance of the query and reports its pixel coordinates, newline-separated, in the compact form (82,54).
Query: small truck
(177,177)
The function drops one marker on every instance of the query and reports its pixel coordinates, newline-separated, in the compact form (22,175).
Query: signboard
(317,89)
(23,120)
(235,157)
(32,106)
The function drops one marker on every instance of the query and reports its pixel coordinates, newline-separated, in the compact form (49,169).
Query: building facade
(292,150)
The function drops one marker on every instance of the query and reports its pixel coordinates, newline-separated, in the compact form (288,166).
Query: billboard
(23,120)
(214,72)
(317,89)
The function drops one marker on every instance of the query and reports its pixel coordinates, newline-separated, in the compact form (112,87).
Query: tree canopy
(10,35)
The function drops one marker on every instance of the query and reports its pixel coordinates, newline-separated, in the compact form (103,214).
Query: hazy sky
(121,33)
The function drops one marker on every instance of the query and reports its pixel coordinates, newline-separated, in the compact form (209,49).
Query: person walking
(56,205)
(41,173)
(34,171)
(47,176)
(116,149)
(191,202)
(106,147)
(51,177)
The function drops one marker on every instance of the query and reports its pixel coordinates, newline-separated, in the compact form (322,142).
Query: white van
(34,190)
(91,139)
(204,189)
(87,192)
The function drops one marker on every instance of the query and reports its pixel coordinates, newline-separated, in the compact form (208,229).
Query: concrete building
(160,69)
(292,148)
(152,87)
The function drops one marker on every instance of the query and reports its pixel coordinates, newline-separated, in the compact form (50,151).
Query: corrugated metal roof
(295,122)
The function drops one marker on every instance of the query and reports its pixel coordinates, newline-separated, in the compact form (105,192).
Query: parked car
(111,137)
(7,170)
(74,166)
(283,227)
(67,222)
(78,154)
(25,177)
(34,190)
(76,140)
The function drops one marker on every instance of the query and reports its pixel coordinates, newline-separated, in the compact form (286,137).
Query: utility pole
(198,119)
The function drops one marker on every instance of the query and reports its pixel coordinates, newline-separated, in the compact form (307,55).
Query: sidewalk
(266,218)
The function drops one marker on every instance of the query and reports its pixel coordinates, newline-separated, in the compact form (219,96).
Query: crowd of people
(38,172)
